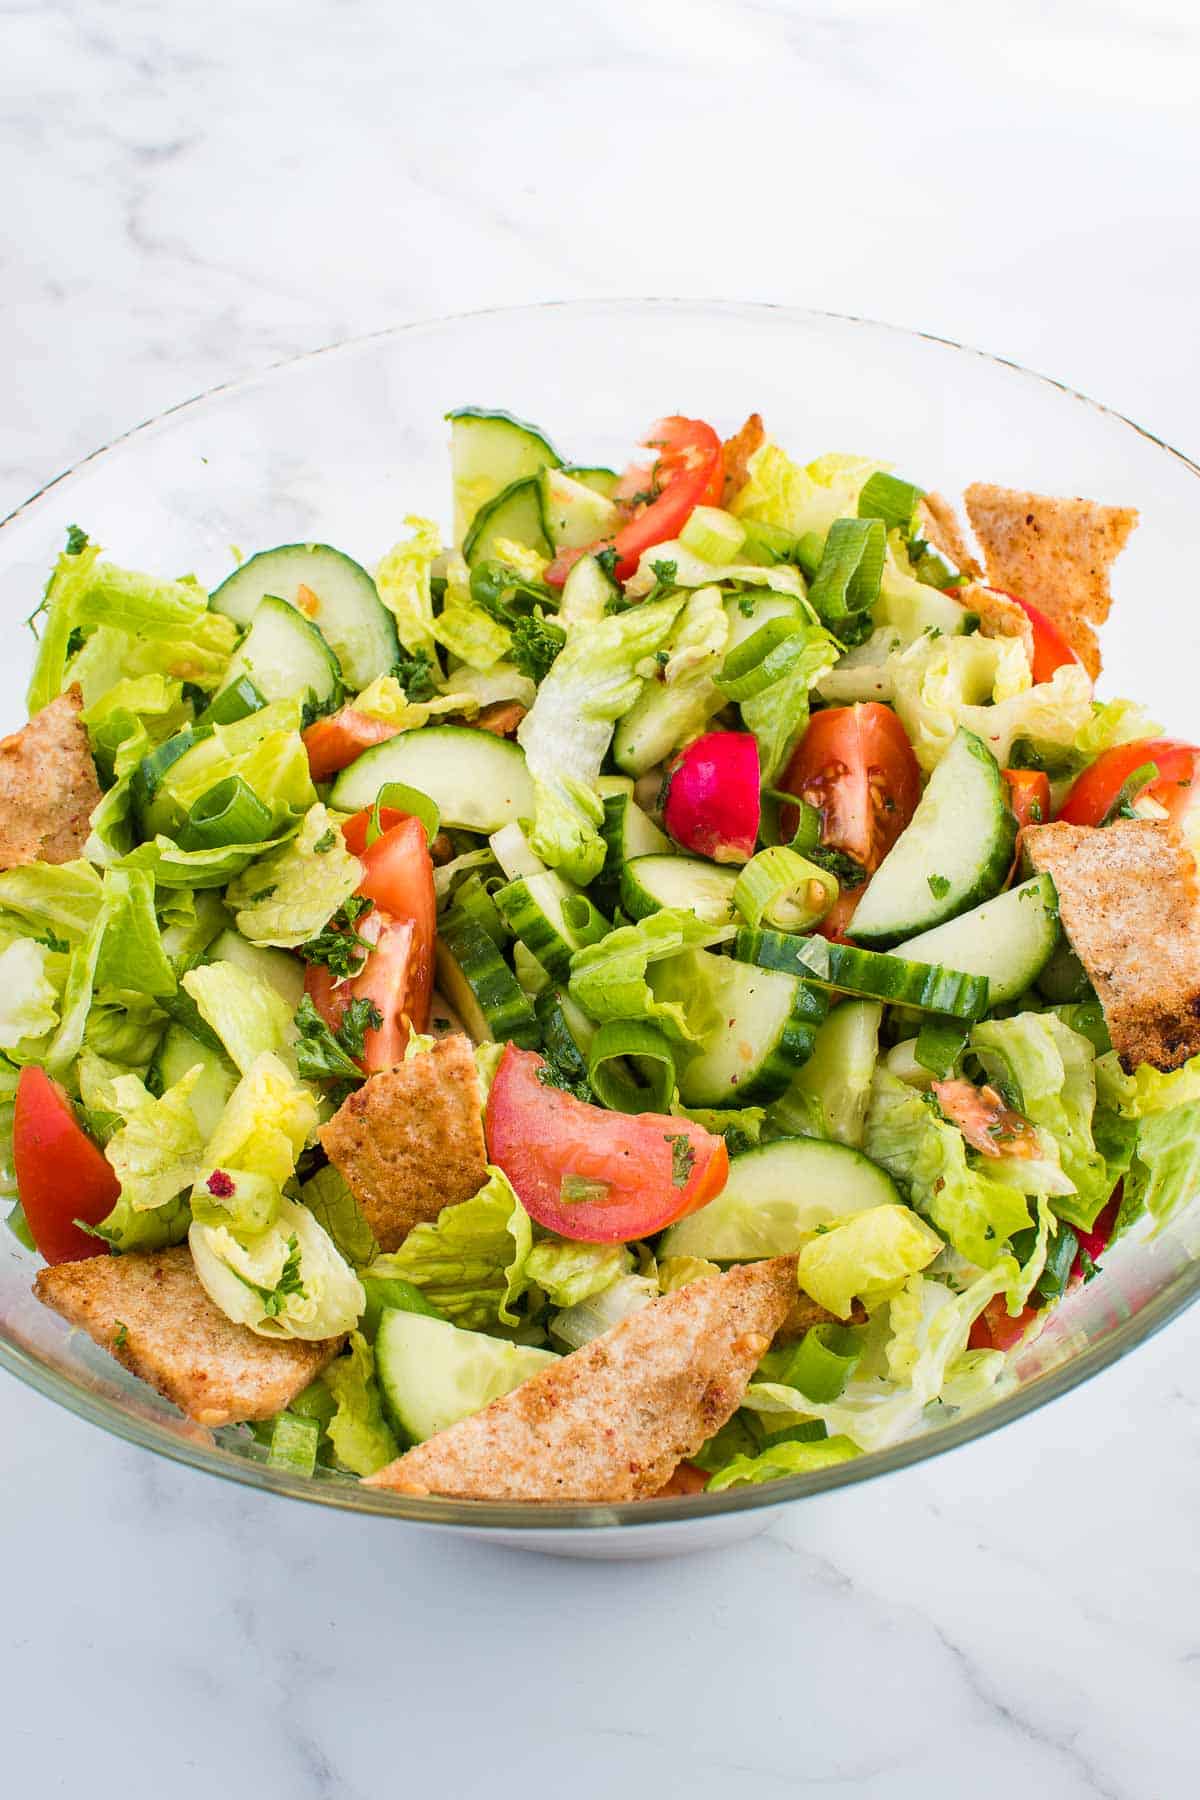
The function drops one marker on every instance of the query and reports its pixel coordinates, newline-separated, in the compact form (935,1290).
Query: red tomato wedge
(856,766)
(1093,795)
(687,472)
(334,743)
(397,976)
(644,1170)
(995,1330)
(1095,1242)
(61,1174)
(1050,648)
(1028,796)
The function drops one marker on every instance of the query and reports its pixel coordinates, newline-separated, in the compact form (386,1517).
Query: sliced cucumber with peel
(551,918)
(952,855)
(179,1051)
(574,514)
(777,1197)
(836,1079)
(514,515)
(688,883)
(601,481)
(284,654)
(479,782)
(629,832)
(488,451)
(869,974)
(433,1373)
(479,985)
(1009,939)
(341,601)
(764,1029)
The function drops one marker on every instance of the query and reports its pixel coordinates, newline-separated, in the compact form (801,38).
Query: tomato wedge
(61,1174)
(687,472)
(1093,795)
(1028,796)
(334,743)
(995,1330)
(1050,648)
(635,1173)
(397,976)
(856,766)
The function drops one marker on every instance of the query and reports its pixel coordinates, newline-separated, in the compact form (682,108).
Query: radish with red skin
(712,803)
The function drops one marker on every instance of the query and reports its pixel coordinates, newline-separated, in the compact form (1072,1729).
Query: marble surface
(192,193)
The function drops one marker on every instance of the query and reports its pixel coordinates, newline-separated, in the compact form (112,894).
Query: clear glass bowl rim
(481,1516)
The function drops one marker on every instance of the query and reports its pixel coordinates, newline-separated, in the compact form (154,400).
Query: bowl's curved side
(341,445)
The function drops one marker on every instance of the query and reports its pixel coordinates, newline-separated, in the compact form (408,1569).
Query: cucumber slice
(587,593)
(150,806)
(1064,980)
(478,782)
(551,918)
(567,1032)
(178,1052)
(926,987)
(601,481)
(953,854)
(515,854)
(747,612)
(777,1197)
(660,720)
(278,968)
(689,883)
(765,1028)
(480,987)
(629,832)
(488,451)
(284,654)
(1010,939)
(516,514)
(912,609)
(575,515)
(344,604)
(837,1076)
(433,1374)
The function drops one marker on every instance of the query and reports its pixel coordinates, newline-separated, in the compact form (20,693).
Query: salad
(663,991)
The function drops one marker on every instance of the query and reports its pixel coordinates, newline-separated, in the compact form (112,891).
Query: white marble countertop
(194,192)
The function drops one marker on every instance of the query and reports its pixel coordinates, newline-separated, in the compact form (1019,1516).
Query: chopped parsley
(121,1335)
(416,675)
(746,605)
(848,871)
(262,894)
(556,1074)
(77,540)
(53,942)
(289,1284)
(75,641)
(326,841)
(607,558)
(535,644)
(326,1055)
(338,947)
(1089,1269)
(939,886)
(683,1157)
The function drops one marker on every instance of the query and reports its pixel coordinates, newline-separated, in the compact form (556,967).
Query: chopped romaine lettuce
(791,1457)
(471,1261)
(403,579)
(361,1437)
(248,1016)
(28,997)
(158,1150)
(864,1255)
(610,979)
(600,1312)
(287,1282)
(267,1121)
(569,1272)
(286,897)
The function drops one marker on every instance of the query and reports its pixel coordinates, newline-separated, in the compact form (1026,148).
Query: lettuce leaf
(864,1255)
(610,979)
(131,955)
(977,1214)
(288,1282)
(131,718)
(158,1150)
(1165,1174)
(570,1272)
(68,582)
(799,498)
(361,1437)
(285,897)
(791,1457)
(471,1261)
(328,1198)
(602,1311)
(76,1001)
(465,629)
(595,678)
(778,715)
(28,997)
(248,1016)
(385,699)
(692,571)
(404,578)
(267,1121)
(1113,722)
(198,655)
(62,896)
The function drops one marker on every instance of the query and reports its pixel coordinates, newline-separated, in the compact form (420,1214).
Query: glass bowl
(340,445)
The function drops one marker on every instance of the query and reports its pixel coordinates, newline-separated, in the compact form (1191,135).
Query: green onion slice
(939,1046)
(713,535)
(229,813)
(631,1067)
(888,498)
(851,569)
(779,888)
(401,798)
(294,1444)
(764,657)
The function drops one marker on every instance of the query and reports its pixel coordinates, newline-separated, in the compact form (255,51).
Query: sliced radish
(711,796)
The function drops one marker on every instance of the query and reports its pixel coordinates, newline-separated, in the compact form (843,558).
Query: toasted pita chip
(151,1313)
(998,615)
(736,453)
(501,718)
(939,525)
(410,1140)
(613,1420)
(1128,902)
(1055,553)
(805,1312)
(48,786)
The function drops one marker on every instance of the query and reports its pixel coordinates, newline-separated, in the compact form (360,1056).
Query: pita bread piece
(48,786)
(940,526)
(1055,553)
(613,1420)
(736,453)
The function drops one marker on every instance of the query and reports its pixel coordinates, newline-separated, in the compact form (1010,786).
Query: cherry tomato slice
(61,1174)
(1028,796)
(1050,648)
(856,766)
(994,1330)
(1093,795)
(334,743)
(647,1169)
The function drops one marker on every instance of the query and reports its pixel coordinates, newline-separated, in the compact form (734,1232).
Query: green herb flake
(121,1335)
(326,841)
(683,1156)
(939,886)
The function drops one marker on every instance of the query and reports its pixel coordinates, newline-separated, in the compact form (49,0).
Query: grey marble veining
(192,193)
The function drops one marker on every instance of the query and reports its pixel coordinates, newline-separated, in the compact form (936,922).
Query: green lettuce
(404,579)
(361,1437)
(929,1156)
(385,699)
(604,1310)
(778,714)
(680,1271)
(569,1272)
(1165,1174)
(68,581)
(77,993)
(1113,722)
(802,499)
(131,718)
(247,1014)
(565,735)
(198,656)
(863,1255)
(286,1282)
(694,650)
(62,896)
(692,571)
(471,1261)
(28,997)
(285,897)
(791,1457)
(158,1150)
(464,628)
(131,954)
(328,1197)
(172,867)
(124,1027)
(610,980)
(267,1121)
